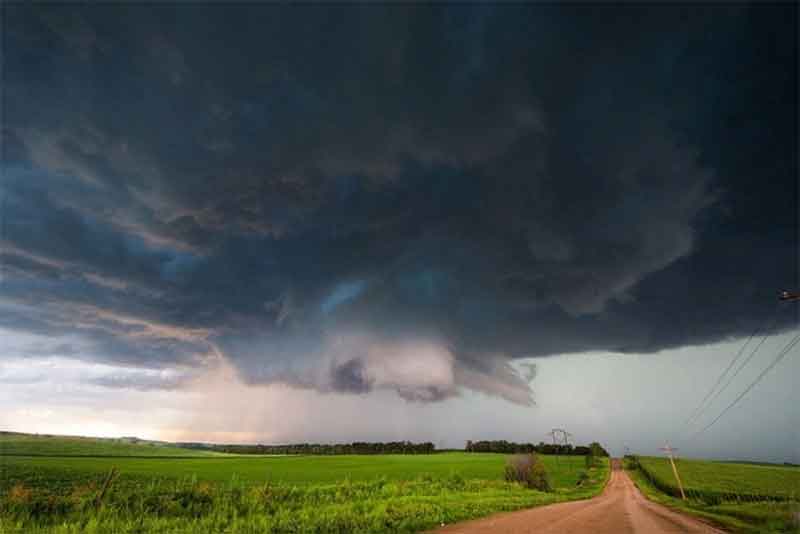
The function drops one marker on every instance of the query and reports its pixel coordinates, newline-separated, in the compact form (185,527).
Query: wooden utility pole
(669,450)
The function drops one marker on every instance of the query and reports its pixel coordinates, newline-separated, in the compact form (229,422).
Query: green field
(741,497)
(237,494)
(39,471)
(12,443)
(714,481)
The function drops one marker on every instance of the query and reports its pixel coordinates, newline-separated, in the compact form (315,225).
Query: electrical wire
(747,360)
(739,353)
(783,352)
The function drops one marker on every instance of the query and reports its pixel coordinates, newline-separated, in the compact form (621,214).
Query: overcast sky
(306,222)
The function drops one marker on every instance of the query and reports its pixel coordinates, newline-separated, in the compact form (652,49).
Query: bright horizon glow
(602,392)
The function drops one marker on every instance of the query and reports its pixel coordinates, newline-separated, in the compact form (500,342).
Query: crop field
(740,497)
(12,443)
(238,494)
(57,471)
(715,481)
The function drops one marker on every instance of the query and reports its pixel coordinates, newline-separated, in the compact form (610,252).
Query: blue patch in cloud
(342,293)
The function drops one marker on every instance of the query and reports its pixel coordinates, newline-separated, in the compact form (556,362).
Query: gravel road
(620,509)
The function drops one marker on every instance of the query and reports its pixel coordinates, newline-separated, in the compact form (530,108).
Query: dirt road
(621,509)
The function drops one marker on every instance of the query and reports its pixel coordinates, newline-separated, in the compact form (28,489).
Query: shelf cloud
(402,198)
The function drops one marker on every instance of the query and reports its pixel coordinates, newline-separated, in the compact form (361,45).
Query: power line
(783,352)
(742,366)
(739,353)
(699,407)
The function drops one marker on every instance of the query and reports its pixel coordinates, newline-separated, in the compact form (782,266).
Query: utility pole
(669,450)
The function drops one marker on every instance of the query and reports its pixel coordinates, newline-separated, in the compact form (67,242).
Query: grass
(244,494)
(767,501)
(12,443)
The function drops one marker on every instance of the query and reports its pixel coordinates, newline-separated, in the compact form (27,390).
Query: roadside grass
(239,495)
(717,504)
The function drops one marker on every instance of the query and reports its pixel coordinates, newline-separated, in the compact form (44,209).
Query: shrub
(528,470)
(590,460)
(631,461)
(597,449)
(539,479)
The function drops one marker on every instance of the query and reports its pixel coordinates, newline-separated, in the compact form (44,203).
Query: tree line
(400,447)
(357,447)
(510,447)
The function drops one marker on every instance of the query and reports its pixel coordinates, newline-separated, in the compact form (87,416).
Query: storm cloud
(399,197)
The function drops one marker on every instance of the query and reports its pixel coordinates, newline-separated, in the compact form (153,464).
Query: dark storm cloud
(350,376)
(401,197)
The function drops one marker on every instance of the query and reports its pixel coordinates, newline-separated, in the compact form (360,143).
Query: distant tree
(510,447)
(392,447)
(598,450)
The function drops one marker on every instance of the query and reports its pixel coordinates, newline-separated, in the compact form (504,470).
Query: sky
(282,223)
